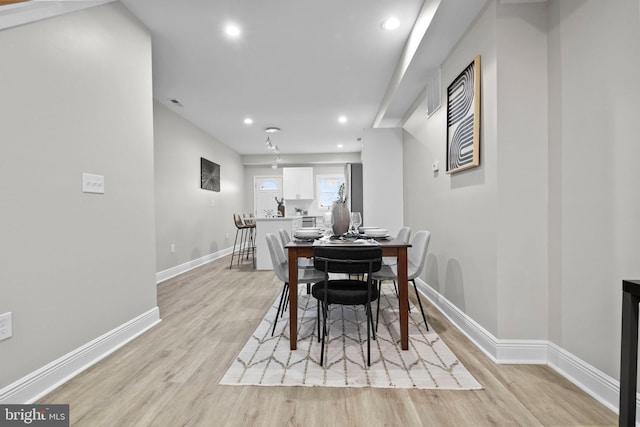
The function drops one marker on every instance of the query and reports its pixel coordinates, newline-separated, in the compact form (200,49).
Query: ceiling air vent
(176,102)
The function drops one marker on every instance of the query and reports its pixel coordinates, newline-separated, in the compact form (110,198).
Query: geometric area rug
(428,364)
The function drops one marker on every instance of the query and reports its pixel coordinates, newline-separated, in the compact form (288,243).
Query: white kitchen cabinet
(297,183)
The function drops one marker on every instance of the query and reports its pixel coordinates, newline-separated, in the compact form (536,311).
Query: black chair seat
(344,292)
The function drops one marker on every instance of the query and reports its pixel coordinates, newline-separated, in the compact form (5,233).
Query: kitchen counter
(272,226)
(266,226)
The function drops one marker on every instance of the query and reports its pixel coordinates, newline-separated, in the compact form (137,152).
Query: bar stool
(244,231)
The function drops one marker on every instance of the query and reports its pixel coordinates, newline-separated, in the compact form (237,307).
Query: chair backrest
(248,220)
(278,258)
(356,260)
(404,234)
(284,236)
(417,253)
(237,220)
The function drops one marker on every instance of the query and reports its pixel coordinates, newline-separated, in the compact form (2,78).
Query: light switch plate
(92,183)
(5,326)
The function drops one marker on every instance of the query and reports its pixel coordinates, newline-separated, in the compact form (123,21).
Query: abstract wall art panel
(209,175)
(463,119)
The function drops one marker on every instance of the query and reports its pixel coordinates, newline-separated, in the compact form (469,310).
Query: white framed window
(268,185)
(327,187)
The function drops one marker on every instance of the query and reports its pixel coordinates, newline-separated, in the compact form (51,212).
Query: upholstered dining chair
(281,269)
(346,260)
(416,258)
(302,262)
(403,235)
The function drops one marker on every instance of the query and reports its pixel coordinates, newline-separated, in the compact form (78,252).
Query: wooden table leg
(293,298)
(403,294)
(628,357)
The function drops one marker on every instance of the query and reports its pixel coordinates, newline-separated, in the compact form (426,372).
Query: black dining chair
(345,291)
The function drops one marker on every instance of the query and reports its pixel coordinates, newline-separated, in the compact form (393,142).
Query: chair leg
(369,320)
(378,309)
(249,241)
(275,321)
(420,304)
(324,333)
(234,248)
(286,302)
(318,319)
(242,240)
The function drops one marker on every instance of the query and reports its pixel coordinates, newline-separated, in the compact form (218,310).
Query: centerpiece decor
(340,213)
(280,206)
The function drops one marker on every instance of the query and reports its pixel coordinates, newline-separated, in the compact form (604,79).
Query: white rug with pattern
(428,364)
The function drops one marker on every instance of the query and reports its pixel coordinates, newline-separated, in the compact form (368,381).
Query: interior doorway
(265,191)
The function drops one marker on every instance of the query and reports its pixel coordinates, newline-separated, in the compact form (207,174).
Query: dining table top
(384,243)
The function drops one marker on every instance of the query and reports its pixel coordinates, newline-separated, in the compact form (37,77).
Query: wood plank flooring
(169,376)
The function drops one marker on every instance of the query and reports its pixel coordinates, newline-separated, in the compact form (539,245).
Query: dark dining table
(390,248)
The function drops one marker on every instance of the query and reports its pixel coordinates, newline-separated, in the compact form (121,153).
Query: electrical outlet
(173,248)
(5,326)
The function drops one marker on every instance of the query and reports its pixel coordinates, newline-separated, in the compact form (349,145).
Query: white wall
(76,97)
(595,202)
(522,150)
(382,182)
(534,243)
(459,209)
(196,221)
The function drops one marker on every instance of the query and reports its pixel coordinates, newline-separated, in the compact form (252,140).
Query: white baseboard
(161,276)
(594,382)
(37,384)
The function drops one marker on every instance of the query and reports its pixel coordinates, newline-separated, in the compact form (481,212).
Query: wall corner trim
(42,381)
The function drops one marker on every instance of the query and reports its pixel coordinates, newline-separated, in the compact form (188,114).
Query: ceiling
(297,64)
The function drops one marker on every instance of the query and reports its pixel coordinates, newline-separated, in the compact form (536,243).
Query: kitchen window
(327,189)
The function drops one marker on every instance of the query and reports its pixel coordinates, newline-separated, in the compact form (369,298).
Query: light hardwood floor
(169,376)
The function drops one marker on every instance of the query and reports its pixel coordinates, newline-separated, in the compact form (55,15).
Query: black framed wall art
(209,175)
(463,119)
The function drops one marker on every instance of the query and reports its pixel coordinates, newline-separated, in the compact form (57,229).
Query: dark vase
(341,218)
(281,210)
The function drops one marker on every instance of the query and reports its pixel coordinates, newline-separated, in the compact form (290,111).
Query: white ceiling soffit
(437,40)
(22,13)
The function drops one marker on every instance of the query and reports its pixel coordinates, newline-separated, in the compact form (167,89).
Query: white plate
(377,232)
(363,229)
(305,229)
(307,233)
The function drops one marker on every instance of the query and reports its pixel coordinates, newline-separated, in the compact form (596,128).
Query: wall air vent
(434,92)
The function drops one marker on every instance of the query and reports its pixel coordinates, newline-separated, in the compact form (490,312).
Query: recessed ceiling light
(248,121)
(232,30)
(342,119)
(272,129)
(390,24)
(340,145)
